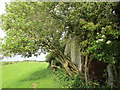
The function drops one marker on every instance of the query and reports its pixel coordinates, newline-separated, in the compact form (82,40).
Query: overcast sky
(2,34)
(2,10)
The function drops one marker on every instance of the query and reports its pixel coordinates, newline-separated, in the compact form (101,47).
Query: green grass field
(24,74)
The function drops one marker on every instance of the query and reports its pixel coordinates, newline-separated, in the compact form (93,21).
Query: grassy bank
(25,74)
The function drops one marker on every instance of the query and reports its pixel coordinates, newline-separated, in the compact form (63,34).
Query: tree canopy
(35,27)
(32,27)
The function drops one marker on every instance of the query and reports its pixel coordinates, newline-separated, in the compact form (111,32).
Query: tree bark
(118,83)
(119,79)
(110,75)
(66,63)
(86,69)
(75,52)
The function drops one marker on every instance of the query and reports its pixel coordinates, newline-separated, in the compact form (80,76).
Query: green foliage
(31,26)
(27,34)
(7,63)
(51,59)
(105,45)
(35,27)
(65,81)
(102,41)
(50,56)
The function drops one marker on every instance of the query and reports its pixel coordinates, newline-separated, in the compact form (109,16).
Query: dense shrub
(50,58)
(7,63)
(65,81)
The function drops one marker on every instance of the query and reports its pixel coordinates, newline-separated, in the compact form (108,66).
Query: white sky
(2,11)
(2,34)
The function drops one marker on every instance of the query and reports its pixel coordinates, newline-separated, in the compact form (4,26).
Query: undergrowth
(63,80)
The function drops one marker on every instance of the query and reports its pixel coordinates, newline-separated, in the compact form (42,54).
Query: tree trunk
(86,69)
(67,64)
(119,79)
(118,83)
(75,52)
(62,58)
(110,75)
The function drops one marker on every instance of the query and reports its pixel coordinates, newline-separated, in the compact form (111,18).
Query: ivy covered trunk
(72,50)
(110,75)
(86,70)
(118,72)
(75,53)
(70,67)
(118,77)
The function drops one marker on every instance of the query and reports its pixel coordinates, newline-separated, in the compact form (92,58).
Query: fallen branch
(57,67)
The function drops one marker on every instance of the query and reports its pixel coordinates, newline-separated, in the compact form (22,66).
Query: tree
(29,32)
(97,29)
(35,27)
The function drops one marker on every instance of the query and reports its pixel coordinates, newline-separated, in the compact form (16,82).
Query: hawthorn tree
(31,30)
(35,27)
(96,26)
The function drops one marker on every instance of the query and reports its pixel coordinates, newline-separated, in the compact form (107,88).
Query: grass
(24,74)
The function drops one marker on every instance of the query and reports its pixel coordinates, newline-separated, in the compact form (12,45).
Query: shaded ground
(25,74)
